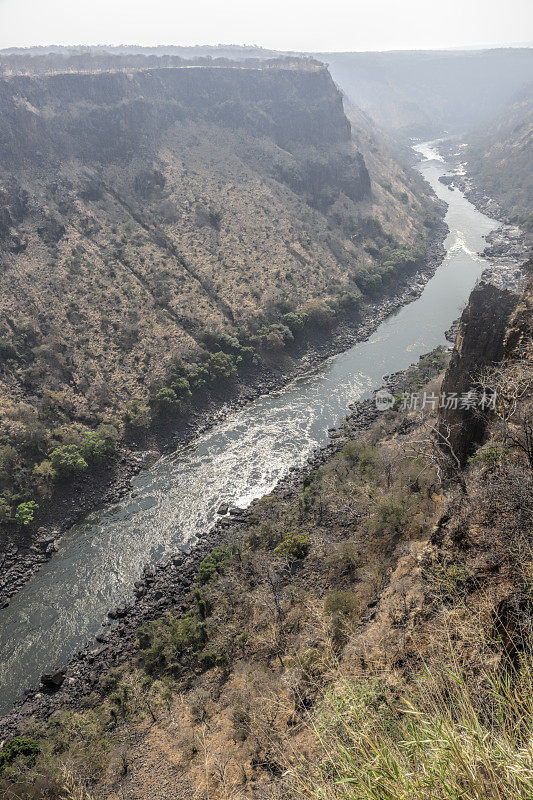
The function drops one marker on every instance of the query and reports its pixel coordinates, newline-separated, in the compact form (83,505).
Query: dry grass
(437,741)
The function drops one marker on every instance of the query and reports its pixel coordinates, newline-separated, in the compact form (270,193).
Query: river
(65,602)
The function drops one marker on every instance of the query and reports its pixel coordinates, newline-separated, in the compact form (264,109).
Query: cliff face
(111,117)
(480,344)
(200,197)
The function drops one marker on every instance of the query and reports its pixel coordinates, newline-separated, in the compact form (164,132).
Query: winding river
(239,459)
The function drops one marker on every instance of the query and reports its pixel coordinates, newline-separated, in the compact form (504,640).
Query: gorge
(236,461)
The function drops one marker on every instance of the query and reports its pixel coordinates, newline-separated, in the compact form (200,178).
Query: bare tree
(511,385)
(435,450)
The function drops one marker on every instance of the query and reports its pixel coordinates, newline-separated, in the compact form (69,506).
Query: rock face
(109,117)
(53,680)
(480,343)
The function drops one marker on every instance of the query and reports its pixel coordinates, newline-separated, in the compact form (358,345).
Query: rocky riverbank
(22,558)
(166,586)
(508,246)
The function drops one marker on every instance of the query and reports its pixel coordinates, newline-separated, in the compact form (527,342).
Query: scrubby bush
(66,460)
(99,445)
(166,400)
(447,582)
(212,369)
(213,564)
(492,453)
(22,749)
(25,512)
(181,387)
(360,455)
(170,645)
(395,260)
(319,313)
(295,321)
(369,282)
(342,603)
(294,545)
(137,415)
(341,606)
(389,516)
(275,336)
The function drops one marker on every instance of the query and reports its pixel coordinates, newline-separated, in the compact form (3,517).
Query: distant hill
(429,93)
(500,157)
(409,93)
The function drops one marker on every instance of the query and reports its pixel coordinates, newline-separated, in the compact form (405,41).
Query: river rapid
(65,603)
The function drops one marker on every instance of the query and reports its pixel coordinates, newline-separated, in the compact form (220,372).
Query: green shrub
(137,415)
(25,512)
(295,321)
(247,355)
(490,454)
(213,564)
(99,445)
(181,387)
(294,545)
(389,516)
(214,368)
(320,313)
(23,749)
(342,603)
(275,336)
(170,645)
(361,455)
(67,460)
(166,400)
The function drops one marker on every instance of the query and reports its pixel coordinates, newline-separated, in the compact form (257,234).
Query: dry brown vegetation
(382,652)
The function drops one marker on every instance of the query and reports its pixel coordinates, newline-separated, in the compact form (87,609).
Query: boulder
(53,680)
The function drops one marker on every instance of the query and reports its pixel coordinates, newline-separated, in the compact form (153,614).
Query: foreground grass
(445,740)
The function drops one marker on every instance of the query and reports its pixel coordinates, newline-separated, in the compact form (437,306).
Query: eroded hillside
(163,230)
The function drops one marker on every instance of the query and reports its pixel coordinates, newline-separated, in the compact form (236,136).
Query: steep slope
(163,229)
(500,157)
(368,624)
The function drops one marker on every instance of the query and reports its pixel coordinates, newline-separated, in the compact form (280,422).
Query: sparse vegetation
(350,641)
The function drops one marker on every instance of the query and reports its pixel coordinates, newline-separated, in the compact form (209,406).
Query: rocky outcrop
(479,344)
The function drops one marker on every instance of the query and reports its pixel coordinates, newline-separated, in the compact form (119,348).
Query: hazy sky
(279,24)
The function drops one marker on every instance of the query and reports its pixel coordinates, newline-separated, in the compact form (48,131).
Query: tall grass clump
(444,740)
